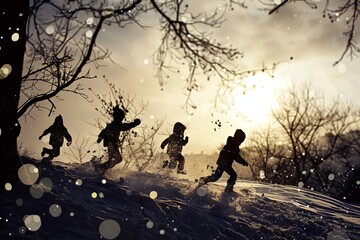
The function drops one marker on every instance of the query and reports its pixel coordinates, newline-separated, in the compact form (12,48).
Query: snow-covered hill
(66,202)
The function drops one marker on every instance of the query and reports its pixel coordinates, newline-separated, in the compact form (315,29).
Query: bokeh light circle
(46,184)
(262,174)
(201,191)
(22,230)
(50,29)
(108,11)
(5,71)
(90,21)
(337,235)
(32,222)
(36,191)
(89,34)
(55,210)
(150,224)
(8,186)
(15,37)
(153,194)
(109,229)
(28,174)
(19,202)
(78,182)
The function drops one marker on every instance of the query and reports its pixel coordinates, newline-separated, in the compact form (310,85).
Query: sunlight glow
(258,99)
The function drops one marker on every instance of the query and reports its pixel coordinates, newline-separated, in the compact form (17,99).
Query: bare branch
(333,9)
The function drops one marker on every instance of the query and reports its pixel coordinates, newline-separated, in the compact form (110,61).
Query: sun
(256,102)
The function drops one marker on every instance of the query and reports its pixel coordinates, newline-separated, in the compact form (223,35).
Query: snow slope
(68,202)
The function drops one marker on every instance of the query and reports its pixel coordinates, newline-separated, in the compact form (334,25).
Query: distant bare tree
(354,137)
(333,9)
(79,150)
(311,131)
(50,46)
(264,154)
(25,151)
(138,148)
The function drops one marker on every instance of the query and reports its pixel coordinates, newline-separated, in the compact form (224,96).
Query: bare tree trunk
(13,19)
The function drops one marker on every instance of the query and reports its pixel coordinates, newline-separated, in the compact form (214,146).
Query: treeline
(311,143)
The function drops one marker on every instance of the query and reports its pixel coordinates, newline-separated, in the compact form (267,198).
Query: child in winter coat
(228,154)
(175,144)
(57,133)
(110,135)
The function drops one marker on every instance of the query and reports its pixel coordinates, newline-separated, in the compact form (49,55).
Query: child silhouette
(110,136)
(57,133)
(175,143)
(228,154)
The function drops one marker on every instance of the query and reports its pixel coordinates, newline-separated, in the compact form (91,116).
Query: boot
(181,171)
(43,152)
(229,188)
(202,181)
(100,170)
(165,163)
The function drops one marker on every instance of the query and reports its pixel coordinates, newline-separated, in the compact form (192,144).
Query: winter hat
(58,120)
(179,128)
(239,136)
(118,113)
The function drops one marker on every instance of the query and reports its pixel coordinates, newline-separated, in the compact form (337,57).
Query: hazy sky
(296,31)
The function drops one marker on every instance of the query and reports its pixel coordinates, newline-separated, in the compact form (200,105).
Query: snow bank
(74,203)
